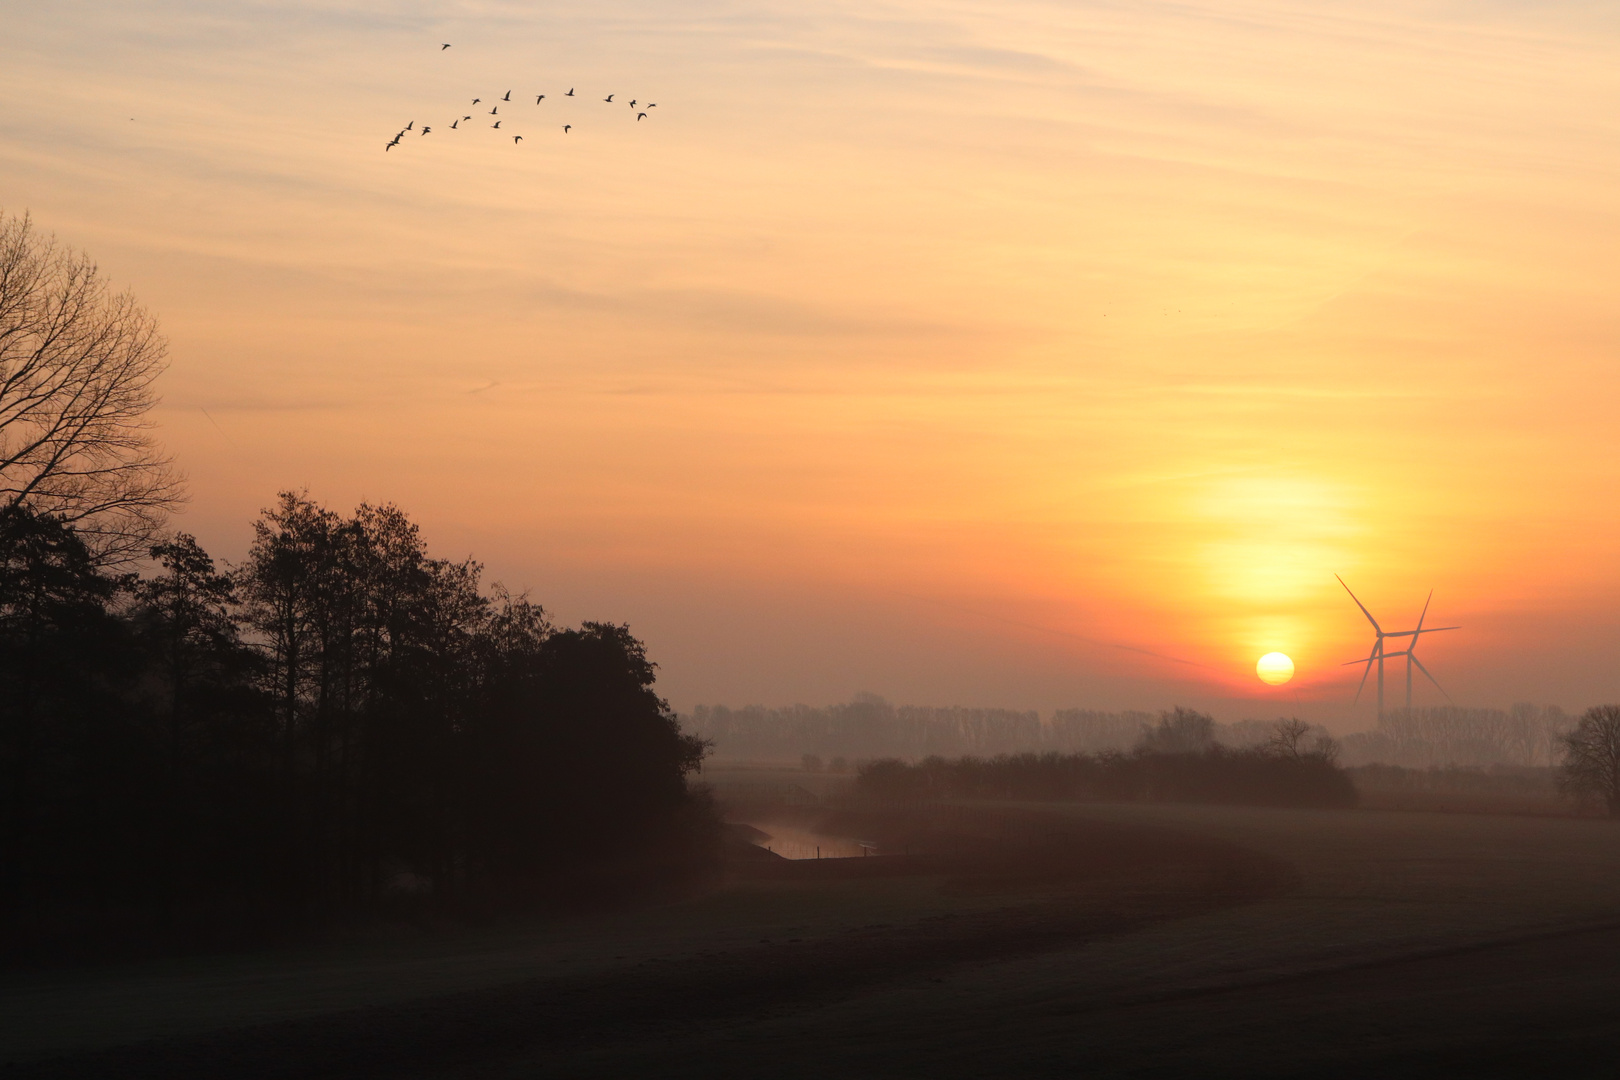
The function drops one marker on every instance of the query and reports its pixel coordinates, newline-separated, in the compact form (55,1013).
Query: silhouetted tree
(187,615)
(77,367)
(579,760)
(1288,737)
(1591,764)
(200,752)
(62,659)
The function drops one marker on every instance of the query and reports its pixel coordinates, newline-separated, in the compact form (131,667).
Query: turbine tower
(1380,654)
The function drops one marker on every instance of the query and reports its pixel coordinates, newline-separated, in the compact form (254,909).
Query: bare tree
(1288,741)
(1592,757)
(77,368)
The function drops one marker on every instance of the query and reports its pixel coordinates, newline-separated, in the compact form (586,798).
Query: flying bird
(652,104)
(443,47)
(539,99)
(632,103)
(570,92)
(516,139)
(508,96)
(466,118)
(608,98)
(454,124)
(495,110)
(566,127)
(497,124)
(426,129)
(408,126)
(392,144)
(640,116)
(476,100)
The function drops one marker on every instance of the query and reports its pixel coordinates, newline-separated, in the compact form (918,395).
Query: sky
(1015,354)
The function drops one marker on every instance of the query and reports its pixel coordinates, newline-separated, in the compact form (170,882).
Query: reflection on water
(795,843)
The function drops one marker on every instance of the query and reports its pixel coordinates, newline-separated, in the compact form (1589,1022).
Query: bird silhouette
(466,118)
(508,96)
(454,124)
(497,124)
(443,47)
(640,116)
(495,110)
(632,103)
(608,98)
(392,144)
(570,92)
(539,99)
(652,104)
(566,127)
(476,100)
(426,129)
(408,126)
(516,139)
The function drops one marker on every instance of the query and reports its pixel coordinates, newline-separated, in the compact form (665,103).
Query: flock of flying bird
(495,111)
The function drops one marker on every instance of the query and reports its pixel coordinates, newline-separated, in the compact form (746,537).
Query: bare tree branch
(78,367)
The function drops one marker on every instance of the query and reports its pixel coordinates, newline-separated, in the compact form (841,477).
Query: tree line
(1523,735)
(340,723)
(870,727)
(1176,760)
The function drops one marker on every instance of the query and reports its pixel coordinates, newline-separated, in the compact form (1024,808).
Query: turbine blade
(1362,606)
(1425,613)
(1431,678)
(1363,683)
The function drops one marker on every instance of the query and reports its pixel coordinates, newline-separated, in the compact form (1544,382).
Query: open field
(1031,940)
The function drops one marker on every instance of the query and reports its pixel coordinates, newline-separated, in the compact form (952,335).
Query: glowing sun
(1274,668)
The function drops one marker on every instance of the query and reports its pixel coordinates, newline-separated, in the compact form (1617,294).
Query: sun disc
(1274,668)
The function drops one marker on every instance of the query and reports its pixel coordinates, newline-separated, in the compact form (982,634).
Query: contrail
(217,428)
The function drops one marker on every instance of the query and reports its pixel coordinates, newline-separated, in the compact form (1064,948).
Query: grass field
(1023,941)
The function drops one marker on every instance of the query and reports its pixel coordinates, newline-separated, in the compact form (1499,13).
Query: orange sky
(930,349)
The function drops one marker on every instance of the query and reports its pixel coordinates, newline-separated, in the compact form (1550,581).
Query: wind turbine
(1380,655)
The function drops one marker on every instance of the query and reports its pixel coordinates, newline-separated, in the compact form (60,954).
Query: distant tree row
(870,727)
(1177,760)
(338,722)
(1523,735)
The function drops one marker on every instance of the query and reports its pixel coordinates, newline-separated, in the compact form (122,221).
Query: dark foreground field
(1019,941)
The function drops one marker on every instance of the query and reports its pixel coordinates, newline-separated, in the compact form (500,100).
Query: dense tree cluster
(338,723)
(1177,760)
